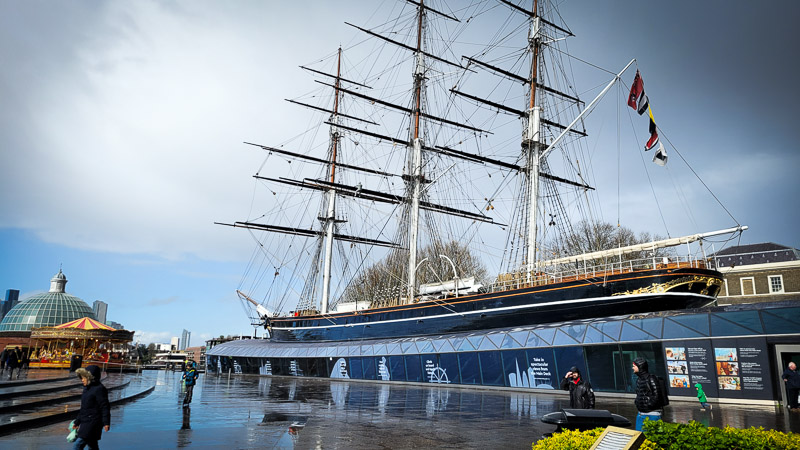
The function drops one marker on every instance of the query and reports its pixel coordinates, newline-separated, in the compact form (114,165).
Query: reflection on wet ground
(279,412)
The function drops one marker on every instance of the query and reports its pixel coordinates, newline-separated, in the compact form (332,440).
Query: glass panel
(515,368)
(491,368)
(409,347)
(652,326)
(697,322)
(631,333)
(593,335)
(542,368)
(449,363)
(380,350)
(496,338)
(397,368)
(535,341)
(566,357)
(673,330)
(456,342)
(413,368)
(447,347)
(562,338)
(465,346)
(747,319)
(775,324)
(650,352)
(369,369)
(475,341)
(546,334)
(355,368)
(612,329)
(469,368)
(722,327)
(575,331)
(393,349)
(605,367)
(427,347)
(487,344)
(509,342)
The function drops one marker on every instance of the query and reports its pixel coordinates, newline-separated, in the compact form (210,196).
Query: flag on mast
(660,157)
(653,141)
(637,99)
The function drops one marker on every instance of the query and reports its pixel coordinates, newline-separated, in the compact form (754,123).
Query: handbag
(73,432)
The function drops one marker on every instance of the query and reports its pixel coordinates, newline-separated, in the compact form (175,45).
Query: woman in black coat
(95,413)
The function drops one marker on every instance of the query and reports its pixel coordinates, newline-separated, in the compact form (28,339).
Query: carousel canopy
(85,323)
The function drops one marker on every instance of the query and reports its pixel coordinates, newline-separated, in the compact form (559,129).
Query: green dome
(47,309)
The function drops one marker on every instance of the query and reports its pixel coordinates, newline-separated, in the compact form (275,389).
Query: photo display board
(726,368)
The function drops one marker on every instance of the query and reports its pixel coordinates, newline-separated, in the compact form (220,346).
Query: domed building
(45,310)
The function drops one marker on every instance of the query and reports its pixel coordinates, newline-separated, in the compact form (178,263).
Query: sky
(121,130)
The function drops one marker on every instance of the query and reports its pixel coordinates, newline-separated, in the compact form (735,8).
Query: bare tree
(589,237)
(382,283)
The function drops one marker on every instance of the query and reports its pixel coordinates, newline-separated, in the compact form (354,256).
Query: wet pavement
(282,412)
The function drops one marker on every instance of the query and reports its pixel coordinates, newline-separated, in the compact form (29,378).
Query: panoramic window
(776,284)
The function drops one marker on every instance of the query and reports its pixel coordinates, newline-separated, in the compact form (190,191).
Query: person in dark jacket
(581,395)
(14,361)
(792,380)
(3,356)
(190,378)
(648,398)
(95,413)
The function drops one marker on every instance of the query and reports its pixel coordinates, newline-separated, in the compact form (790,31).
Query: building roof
(763,253)
(47,309)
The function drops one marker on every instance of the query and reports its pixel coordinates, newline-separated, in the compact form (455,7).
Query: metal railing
(589,270)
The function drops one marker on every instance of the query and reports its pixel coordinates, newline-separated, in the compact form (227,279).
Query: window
(748,286)
(775,284)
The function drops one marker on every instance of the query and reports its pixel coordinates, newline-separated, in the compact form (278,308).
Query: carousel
(96,343)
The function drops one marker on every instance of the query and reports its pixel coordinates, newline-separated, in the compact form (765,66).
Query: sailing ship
(423,162)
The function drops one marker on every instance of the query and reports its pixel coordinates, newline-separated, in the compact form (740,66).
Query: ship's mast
(415,149)
(532,140)
(330,218)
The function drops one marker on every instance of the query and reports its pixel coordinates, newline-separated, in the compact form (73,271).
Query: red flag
(637,99)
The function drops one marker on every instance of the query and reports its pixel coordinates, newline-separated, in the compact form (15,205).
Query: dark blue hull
(631,293)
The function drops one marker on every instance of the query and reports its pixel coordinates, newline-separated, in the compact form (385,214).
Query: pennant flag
(660,157)
(653,141)
(637,99)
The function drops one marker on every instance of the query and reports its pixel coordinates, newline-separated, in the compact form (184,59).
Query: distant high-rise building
(12,298)
(185,337)
(174,343)
(115,325)
(100,310)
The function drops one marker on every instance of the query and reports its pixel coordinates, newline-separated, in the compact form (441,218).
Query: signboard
(689,363)
(726,368)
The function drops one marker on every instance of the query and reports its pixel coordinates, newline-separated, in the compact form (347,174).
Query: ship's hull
(631,293)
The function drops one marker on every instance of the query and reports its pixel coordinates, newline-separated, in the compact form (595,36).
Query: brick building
(765,272)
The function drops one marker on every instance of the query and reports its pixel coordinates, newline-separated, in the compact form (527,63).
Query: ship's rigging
(442,146)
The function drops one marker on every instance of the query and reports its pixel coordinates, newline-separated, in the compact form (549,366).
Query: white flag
(660,157)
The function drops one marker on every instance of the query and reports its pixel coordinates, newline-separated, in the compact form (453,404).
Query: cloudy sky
(121,126)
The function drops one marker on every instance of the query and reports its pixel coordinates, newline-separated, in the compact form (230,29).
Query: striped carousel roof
(85,323)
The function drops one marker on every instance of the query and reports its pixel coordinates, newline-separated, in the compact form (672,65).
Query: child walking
(702,397)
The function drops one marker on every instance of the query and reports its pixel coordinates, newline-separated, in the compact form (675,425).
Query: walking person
(648,395)
(14,361)
(3,356)
(190,379)
(581,395)
(701,395)
(792,380)
(95,413)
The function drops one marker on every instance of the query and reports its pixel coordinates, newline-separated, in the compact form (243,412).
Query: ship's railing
(586,269)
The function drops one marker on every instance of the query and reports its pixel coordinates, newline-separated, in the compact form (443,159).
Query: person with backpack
(649,397)
(190,378)
(701,395)
(581,395)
